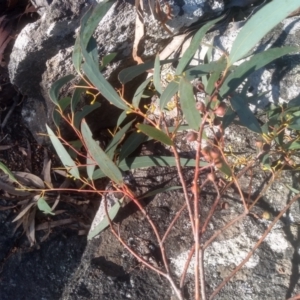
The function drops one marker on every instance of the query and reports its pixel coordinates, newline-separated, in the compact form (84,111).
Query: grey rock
(42,51)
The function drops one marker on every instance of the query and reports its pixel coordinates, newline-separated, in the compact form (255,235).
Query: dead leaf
(29,179)
(5,36)
(139,30)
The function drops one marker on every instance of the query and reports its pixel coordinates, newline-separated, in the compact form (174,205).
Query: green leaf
(198,71)
(259,25)
(8,172)
(155,133)
(107,59)
(128,74)
(188,104)
(131,144)
(131,163)
(77,95)
(292,189)
(44,206)
(63,154)
(103,161)
(161,190)
(57,85)
(80,115)
(121,118)
(90,166)
(92,72)
(139,92)
(244,113)
(294,102)
(214,77)
(225,169)
(77,56)
(104,223)
(111,148)
(91,20)
(295,123)
(92,50)
(167,94)
(156,76)
(294,145)
(228,117)
(257,61)
(194,46)
(63,104)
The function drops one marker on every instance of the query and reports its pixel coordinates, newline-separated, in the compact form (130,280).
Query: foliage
(222,104)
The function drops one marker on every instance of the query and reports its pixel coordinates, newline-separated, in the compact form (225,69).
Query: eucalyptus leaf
(156,76)
(77,95)
(194,46)
(63,154)
(87,109)
(130,73)
(228,117)
(244,113)
(161,190)
(131,163)
(155,133)
(57,85)
(112,213)
(107,59)
(44,206)
(8,172)
(257,61)
(188,104)
(104,162)
(168,93)
(118,137)
(134,140)
(259,25)
(140,91)
(63,104)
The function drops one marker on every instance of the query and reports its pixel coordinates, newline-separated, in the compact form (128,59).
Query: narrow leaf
(76,96)
(155,133)
(156,76)
(131,144)
(259,25)
(188,104)
(107,59)
(139,92)
(63,154)
(131,163)
(168,93)
(128,74)
(105,223)
(103,161)
(118,137)
(161,190)
(57,85)
(90,166)
(8,172)
(292,189)
(244,113)
(256,62)
(23,212)
(44,206)
(87,109)
(194,46)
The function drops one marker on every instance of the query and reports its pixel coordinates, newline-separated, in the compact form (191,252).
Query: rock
(42,51)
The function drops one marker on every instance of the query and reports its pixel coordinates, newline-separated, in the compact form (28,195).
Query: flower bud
(221,109)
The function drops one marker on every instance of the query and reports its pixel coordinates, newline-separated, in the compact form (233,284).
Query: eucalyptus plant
(223,101)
